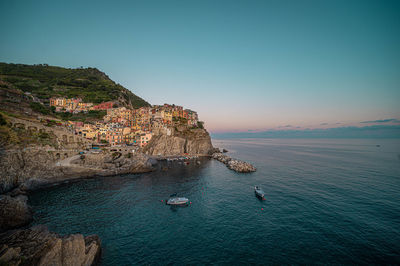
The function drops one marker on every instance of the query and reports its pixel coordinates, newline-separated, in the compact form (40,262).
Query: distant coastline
(375,131)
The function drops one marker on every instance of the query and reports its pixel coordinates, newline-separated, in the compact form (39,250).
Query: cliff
(34,168)
(193,141)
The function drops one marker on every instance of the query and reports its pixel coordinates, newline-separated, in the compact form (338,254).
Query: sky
(242,65)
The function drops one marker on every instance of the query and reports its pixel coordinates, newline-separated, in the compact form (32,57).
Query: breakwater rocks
(234,164)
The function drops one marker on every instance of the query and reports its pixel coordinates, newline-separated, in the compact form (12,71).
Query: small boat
(259,192)
(174,200)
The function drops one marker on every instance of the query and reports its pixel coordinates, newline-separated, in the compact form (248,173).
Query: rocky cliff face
(34,168)
(14,212)
(17,166)
(192,141)
(38,246)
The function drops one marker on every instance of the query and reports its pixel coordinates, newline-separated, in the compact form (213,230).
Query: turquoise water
(327,202)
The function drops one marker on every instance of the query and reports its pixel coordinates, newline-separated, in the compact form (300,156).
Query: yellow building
(58,102)
(167,116)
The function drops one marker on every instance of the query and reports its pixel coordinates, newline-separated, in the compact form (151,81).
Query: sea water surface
(328,201)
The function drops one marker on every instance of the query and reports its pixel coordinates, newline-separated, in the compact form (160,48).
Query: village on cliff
(125,126)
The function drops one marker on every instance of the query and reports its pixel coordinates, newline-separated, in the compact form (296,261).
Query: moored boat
(174,200)
(259,192)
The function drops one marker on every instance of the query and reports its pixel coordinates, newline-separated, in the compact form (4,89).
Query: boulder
(234,164)
(240,166)
(14,212)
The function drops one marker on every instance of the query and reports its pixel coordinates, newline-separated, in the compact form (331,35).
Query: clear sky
(243,65)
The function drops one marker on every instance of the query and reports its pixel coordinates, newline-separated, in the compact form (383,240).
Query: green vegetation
(50,123)
(200,124)
(3,121)
(40,108)
(180,120)
(45,82)
(92,115)
(23,137)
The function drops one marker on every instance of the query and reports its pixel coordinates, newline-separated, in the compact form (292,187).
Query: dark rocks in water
(224,150)
(14,212)
(153,162)
(214,150)
(38,246)
(234,164)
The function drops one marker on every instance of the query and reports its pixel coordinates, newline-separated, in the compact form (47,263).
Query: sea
(328,201)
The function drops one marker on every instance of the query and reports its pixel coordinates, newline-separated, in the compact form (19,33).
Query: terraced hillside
(90,84)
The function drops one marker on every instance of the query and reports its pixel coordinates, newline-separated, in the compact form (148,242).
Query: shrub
(39,108)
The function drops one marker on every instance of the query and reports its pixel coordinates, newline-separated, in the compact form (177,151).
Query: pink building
(104,106)
(114,137)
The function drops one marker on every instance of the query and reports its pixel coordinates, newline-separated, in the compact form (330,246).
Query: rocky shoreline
(32,169)
(234,164)
(23,171)
(36,245)
(26,170)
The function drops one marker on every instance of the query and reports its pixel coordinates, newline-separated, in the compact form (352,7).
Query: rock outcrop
(34,168)
(14,212)
(38,246)
(18,166)
(115,163)
(191,141)
(234,164)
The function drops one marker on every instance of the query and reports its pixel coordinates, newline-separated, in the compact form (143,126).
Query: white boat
(259,192)
(177,200)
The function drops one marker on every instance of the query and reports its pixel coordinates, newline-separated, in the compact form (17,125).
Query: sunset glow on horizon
(242,65)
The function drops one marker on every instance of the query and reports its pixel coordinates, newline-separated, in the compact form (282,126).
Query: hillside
(90,84)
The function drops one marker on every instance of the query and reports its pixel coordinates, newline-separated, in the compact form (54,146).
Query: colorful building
(104,106)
